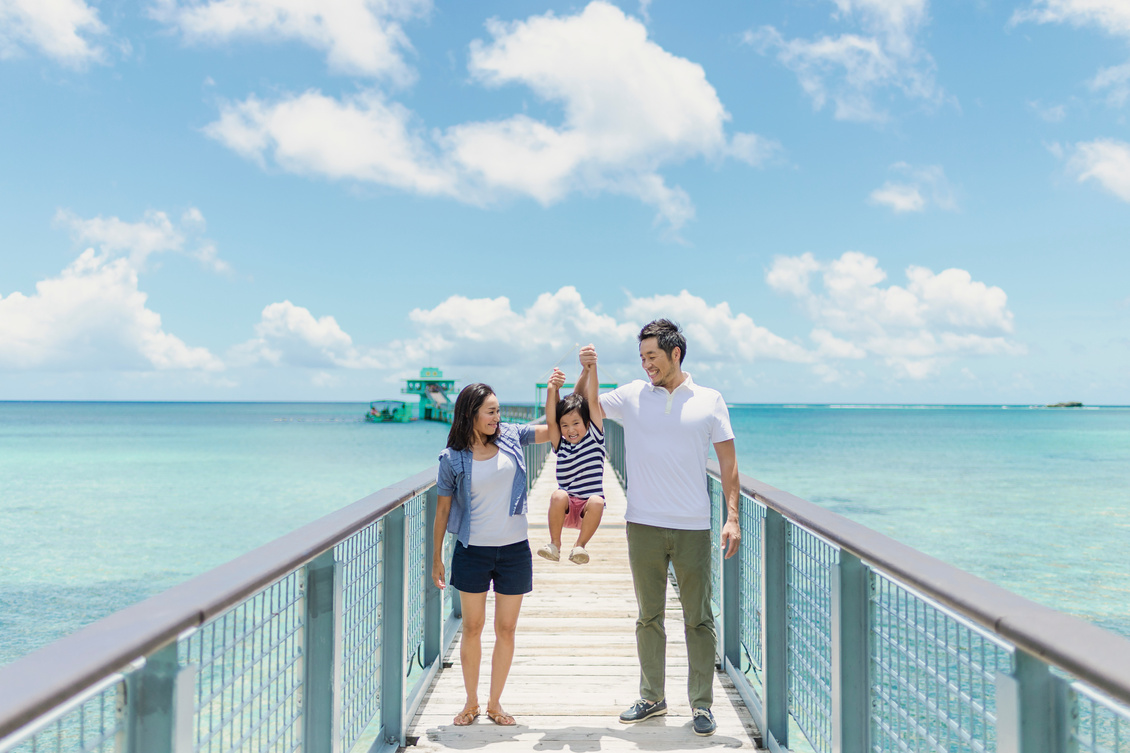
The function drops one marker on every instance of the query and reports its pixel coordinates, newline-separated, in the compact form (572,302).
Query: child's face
(572,427)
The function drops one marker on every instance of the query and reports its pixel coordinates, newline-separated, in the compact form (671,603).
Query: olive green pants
(650,550)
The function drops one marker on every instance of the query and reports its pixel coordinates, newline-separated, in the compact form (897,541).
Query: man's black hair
(462,433)
(668,335)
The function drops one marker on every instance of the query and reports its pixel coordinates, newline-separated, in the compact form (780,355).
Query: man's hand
(731,537)
(588,355)
(557,381)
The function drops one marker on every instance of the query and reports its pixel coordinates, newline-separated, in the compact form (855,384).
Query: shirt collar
(687,383)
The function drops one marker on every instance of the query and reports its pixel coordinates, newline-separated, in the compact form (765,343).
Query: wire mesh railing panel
(1102,726)
(809,603)
(614,442)
(93,722)
(749,621)
(361,616)
(932,675)
(418,576)
(249,673)
(535,455)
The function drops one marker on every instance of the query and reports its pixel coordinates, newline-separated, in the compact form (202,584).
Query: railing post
(393,626)
(1026,707)
(433,597)
(731,601)
(160,701)
(775,626)
(851,655)
(321,652)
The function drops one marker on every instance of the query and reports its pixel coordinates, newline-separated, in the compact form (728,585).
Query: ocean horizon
(108,502)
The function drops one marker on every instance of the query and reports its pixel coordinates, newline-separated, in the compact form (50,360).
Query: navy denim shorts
(510,567)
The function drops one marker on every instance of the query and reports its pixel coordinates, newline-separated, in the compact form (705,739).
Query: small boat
(382,411)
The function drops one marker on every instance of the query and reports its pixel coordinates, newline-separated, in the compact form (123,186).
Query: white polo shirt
(667,440)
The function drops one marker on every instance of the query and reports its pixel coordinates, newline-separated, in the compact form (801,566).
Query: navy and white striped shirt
(580,466)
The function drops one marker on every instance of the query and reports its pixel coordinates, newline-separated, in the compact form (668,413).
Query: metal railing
(865,644)
(323,640)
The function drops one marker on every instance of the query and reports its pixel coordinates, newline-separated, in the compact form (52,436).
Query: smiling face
(572,427)
(487,419)
(662,369)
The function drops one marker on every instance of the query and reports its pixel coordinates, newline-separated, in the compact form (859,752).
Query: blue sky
(840,200)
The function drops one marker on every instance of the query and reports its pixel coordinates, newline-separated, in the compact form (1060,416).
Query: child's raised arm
(591,387)
(552,395)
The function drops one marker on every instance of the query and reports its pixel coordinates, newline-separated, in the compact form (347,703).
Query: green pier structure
(436,394)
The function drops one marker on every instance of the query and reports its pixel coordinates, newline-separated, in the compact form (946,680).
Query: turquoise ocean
(105,504)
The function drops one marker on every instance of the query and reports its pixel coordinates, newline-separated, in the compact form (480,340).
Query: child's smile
(573,427)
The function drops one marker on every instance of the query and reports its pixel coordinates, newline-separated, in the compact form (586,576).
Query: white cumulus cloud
(914,328)
(716,332)
(1112,16)
(915,189)
(155,233)
(91,316)
(61,29)
(290,335)
(628,108)
(852,69)
(1106,161)
(1115,81)
(359,37)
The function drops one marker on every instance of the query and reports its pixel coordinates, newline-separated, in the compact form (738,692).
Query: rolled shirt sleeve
(721,430)
(612,403)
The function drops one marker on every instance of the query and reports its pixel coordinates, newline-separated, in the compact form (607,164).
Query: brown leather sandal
(500,717)
(466,717)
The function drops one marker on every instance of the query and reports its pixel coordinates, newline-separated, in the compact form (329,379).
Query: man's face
(660,367)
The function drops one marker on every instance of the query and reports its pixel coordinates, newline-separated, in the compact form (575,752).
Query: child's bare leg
(558,506)
(594,511)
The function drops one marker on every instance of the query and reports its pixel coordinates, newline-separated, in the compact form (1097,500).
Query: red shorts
(576,511)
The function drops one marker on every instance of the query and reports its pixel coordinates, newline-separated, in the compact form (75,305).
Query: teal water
(103,504)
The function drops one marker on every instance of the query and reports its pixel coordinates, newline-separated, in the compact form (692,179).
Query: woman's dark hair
(667,335)
(471,398)
(570,403)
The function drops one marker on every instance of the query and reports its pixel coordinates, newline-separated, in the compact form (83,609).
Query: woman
(482,500)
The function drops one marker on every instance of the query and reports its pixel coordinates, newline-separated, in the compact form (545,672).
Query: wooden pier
(575,666)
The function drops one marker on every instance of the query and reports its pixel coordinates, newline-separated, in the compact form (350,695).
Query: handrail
(33,685)
(1087,652)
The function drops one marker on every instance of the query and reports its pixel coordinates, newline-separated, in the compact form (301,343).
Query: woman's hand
(557,381)
(438,574)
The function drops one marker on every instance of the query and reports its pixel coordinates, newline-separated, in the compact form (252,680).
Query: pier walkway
(575,666)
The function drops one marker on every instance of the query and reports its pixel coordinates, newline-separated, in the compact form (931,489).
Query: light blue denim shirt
(454,478)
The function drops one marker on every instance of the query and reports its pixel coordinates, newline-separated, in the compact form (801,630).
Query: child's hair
(570,403)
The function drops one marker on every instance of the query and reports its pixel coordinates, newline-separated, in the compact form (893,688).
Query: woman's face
(487,417)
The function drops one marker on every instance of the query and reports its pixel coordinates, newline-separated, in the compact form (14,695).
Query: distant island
(1066,405)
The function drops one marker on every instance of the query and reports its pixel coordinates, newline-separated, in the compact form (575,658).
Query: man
(669,425)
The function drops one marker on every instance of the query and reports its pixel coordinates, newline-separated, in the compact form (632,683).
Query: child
(579,502)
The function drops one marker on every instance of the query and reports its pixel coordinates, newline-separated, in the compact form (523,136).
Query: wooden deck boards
(575,665)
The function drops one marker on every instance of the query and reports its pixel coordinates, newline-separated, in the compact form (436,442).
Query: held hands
(588,356)
(557,381)
(731,537)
